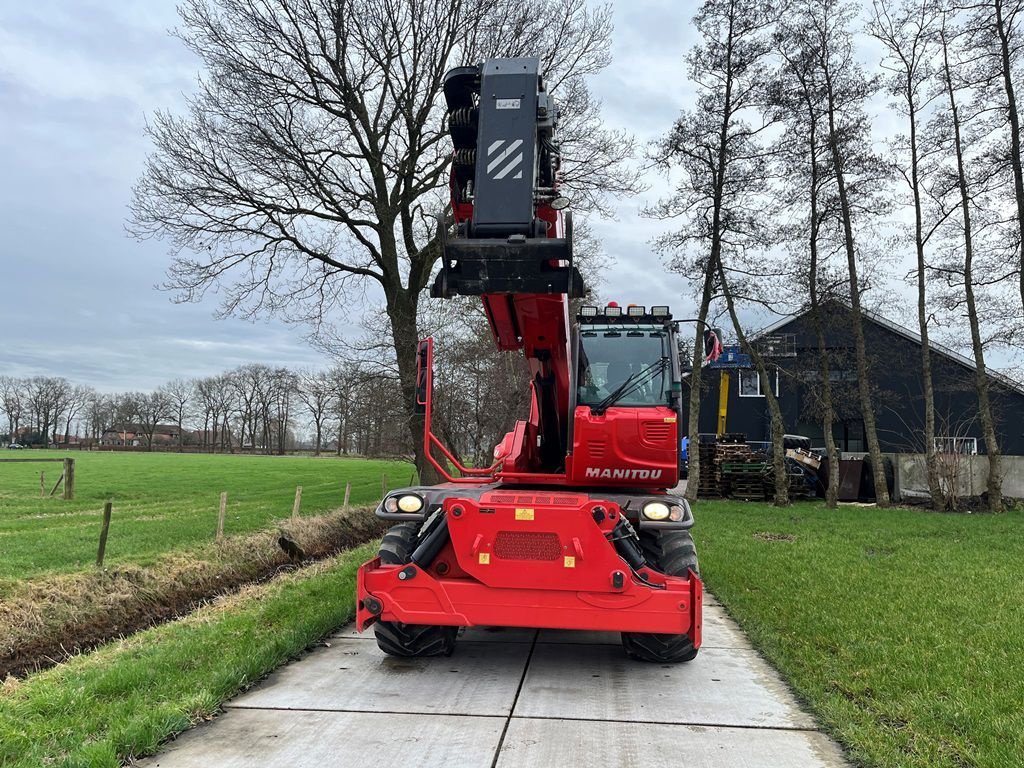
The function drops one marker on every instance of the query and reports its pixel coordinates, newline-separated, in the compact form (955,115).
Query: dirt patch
(44,621)
(769,536)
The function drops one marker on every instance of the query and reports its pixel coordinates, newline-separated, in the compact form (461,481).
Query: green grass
(123,700)
(163,502)
(903,630)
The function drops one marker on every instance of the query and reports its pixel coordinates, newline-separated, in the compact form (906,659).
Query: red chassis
(547,565)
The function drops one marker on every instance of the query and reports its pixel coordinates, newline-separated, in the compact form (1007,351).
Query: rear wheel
(394,637)
(671,553)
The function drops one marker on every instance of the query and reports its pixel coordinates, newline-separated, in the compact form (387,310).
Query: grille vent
(527,545)
(657,431)
(528,499)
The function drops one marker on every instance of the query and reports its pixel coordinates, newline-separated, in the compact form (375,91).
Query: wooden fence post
(348,492)
(220,516)
(103,534)
(69,479)
(383,485)
(298,502)
(42,484)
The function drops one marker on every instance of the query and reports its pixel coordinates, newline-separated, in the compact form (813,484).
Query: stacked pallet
(746,479)
(707,480)
(729,450)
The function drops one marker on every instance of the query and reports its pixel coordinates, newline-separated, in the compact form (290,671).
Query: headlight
(675,513)
(656,510)
(391,504)
(410,503)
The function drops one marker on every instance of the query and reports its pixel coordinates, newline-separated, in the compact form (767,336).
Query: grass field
(904,630)
(163,502)
(101,709)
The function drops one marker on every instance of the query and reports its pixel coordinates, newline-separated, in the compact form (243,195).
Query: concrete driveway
(514,697)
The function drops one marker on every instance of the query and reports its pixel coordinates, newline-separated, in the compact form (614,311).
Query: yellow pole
(723,400)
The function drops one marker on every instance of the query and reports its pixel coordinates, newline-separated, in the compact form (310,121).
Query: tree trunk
(1014,119)
(931,458)
(863,372)
(693,451)
(401,307)
(827,409)
(995,470)
(778,427)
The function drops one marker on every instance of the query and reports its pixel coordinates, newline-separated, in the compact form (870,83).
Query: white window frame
(757,378)
(965,446)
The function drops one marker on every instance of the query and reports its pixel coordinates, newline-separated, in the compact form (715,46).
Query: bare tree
(969,193)
(12,400)
(150,408)
(179,394)
(78,400)
(714,144)
(806,169)
(311,161)
(99,414)
(995,39)
(858,174)
(46,398)
(316,391)
(908,32)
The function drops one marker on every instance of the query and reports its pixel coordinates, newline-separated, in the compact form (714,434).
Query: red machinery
(572,526)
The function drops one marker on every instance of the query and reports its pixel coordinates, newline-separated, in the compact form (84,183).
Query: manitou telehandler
(572,526)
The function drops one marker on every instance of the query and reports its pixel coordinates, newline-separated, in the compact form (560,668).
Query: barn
(894,353)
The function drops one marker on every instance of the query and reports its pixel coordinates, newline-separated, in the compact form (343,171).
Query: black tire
(394,637)
(671,553)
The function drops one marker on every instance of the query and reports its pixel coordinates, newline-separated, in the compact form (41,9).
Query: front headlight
(410,503)
(656,510)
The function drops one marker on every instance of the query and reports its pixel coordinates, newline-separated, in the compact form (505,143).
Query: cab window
(609,357)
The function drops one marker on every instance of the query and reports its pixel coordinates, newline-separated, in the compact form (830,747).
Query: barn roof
(900,330)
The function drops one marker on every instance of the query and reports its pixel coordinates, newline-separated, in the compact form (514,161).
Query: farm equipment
(572,526)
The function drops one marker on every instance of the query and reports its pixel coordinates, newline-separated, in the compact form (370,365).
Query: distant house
(894,355)
(134,435)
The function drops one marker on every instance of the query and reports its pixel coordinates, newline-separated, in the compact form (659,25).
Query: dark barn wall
(896,392)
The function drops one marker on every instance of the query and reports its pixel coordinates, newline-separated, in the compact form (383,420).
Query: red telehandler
(572,526)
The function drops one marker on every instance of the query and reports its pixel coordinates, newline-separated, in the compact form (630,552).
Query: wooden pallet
(745,479)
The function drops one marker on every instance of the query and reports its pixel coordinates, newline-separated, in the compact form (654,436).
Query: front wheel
(673,554)
(394,637)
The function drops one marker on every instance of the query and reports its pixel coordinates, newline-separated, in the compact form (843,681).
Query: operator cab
(625,398)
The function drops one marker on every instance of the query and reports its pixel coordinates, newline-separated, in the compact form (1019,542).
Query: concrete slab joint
(515,697)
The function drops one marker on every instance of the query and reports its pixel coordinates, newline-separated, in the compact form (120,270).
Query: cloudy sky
(78,297)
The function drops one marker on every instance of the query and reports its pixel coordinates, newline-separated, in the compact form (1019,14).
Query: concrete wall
(971,474)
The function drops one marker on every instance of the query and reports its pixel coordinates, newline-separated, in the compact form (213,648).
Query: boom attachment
(504,186)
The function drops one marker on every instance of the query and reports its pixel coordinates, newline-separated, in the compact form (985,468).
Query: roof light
(588,311)
(660,311)
(635,310)
(613,311)
(560,202)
